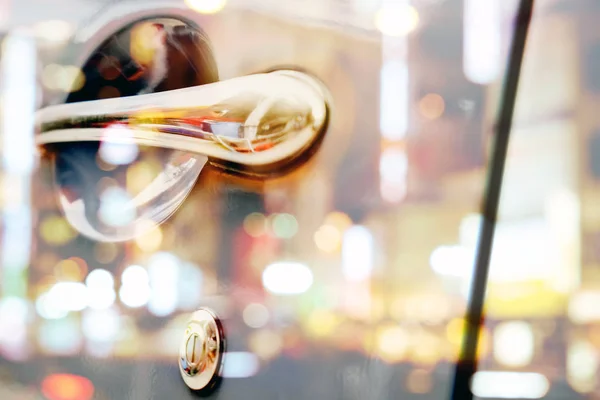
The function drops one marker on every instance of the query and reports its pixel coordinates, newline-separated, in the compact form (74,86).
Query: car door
(343,274)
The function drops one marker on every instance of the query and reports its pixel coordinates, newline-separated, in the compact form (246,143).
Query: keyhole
(194,350)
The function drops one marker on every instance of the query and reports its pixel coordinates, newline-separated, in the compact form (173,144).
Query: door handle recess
(174,110)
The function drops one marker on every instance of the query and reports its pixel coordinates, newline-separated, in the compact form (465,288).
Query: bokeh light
(509,385)
(118,146)
(100,325)
(255,224)
(514,344)
(105,252)
(163,273)
(287,278)
(48,307)
(582,366)
(322,323)
(65,78)
(393,170)
(240,365)
(265,343)
(72,269)
(358,253)
(56,231)
(432,106)
(55,31)
(339,220)
(255,315)
(67,387)
(328,238)
(14,314)
(392,343)
(284,226)
(146,42)
(141,173)
(396,19)
(151,240)
(135,286)
(206,6)
(116,208)
(60,336)
(101,289)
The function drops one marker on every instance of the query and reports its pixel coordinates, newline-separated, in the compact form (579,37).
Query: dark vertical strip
(466,365)
(237,204)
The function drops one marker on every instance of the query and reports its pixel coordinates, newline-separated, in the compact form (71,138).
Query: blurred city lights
(392,343)
(134,274)
(206,6)
(55,230)
(469,230)
(115,207)
(100,325)
(255,224)
(141,173)
(14,314)
(357,299)
(432,106)
(240,365)
(322,323)
(357,253)
(146,42)
(394,101)
(366,6)
(396,18)
(151,240)
(455,330)
(509,385)
(163,270)
(328,238)
(100,278)
(135,286)
(53,30)
(19,63)
(284,226)
(65,78)
(118,146)
(514,344)
(105,252)
(69,270)
(482,54)
(256,315)
(19,91)
(393,169)
(190,287)
(266,344)
(582,307)
(68,296)
(101,289)
(60,336)
(48,307)
(582,366)
(339,220)
(455,261)
(67,387)
(287,278)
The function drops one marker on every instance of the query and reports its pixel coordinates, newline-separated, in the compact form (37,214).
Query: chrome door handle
(254,124)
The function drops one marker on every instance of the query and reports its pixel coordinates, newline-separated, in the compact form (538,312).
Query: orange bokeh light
(67,387)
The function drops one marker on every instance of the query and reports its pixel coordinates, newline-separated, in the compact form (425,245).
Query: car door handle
(256,125)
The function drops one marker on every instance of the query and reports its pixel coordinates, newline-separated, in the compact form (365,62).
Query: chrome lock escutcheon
(201,351)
